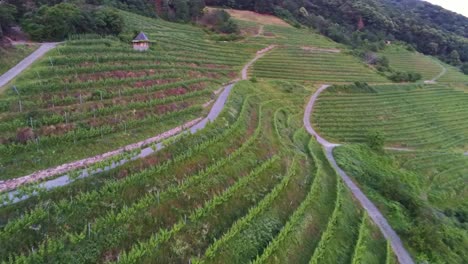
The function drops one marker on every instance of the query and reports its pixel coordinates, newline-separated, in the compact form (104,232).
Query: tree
(7,16)
(108,21)
(53,23)
(464,68)
(181,10)
(376,140)
(454,58)
(196,8)
(264,6)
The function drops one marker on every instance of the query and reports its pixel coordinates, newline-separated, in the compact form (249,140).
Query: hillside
(240,138)
(430,29)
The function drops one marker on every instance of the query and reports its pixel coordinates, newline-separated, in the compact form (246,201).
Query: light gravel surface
(374,213)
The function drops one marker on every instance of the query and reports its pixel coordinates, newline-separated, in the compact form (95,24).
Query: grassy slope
(11,56)
(433,231)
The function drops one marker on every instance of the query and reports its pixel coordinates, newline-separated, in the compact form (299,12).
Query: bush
(375,140)
(405,76)
(464,68)
(357,87)
(219,21)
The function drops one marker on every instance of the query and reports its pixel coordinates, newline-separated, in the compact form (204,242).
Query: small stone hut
(141,42)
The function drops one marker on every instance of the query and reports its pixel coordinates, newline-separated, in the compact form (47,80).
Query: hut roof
(141,38)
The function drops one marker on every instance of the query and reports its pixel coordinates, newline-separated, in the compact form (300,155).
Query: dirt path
(190,127)
(442,73)
(260,53)
(25,63)
(261,30)
(374,213)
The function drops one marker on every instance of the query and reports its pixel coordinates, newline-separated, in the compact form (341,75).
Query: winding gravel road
(25,63)
(374,213)
(190,127)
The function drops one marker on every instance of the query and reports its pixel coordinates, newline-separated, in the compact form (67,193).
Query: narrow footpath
(374,213)
(25,63)
(146,150)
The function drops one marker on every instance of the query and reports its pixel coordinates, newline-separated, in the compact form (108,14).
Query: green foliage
(53,23)
(430,235)
(219,21)
(454,58)
(464,68)
(107,21)
(7,16)
(63,20)
(405,76)
(376,140)
(357,87)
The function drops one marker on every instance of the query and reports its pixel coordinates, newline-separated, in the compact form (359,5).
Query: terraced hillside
(453,75)
(408,116)
(443,179)
(240,190)
(92,94)
(314,64)
(423,195)
(282,35)
(403,60)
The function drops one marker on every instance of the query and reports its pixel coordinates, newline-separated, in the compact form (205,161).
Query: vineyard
(93,94)
(407,61)
(252,186)
(314,64)
(403,60)
(411,116)
(422,194)
(444,175)
(242,189)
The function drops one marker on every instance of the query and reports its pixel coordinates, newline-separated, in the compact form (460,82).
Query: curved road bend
(25,63)
(400,251)
(191,127)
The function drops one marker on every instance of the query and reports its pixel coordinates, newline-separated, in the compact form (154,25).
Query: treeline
(54,20)
(180,10)
(58,19)
(429,29)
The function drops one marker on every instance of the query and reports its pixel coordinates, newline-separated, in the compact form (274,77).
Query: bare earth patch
(257,18)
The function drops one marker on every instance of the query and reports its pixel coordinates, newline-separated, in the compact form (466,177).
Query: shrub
(219,21)
(375,140)
(464,68)
(405,76)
